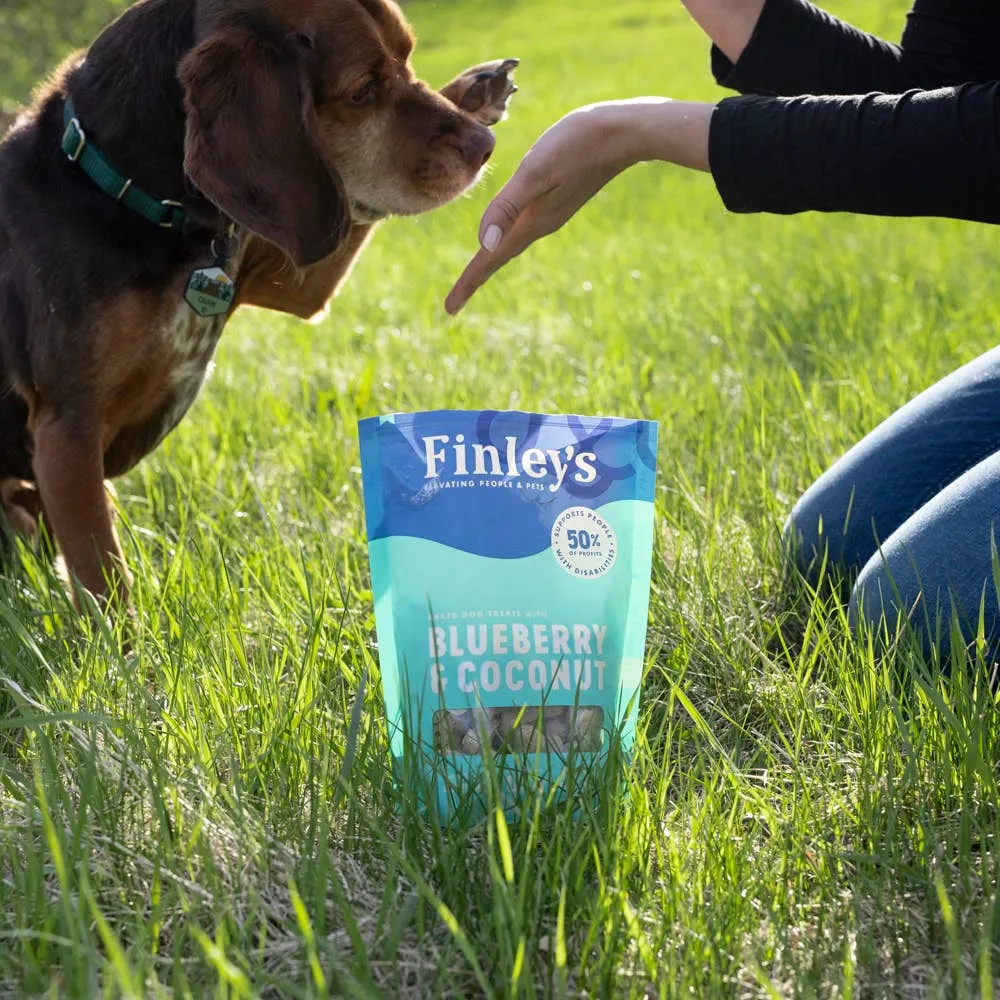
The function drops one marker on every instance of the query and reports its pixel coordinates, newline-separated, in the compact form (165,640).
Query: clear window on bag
(519,729)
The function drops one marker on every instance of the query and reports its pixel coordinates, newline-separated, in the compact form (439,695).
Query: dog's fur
(299,120)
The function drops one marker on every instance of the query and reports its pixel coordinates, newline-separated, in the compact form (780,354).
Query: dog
(201,155)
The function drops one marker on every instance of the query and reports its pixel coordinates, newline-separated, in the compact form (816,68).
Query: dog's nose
(477,147)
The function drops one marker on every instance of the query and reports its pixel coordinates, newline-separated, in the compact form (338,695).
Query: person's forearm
(672,131)
(729,23)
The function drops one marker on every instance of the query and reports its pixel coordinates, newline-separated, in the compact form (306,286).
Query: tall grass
(213,814)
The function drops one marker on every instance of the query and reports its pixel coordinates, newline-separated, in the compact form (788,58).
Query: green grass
(802,818)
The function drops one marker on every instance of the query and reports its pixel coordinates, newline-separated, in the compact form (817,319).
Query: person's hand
(566,167)
(569,164)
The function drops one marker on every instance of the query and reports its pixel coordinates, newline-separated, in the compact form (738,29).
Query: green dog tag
(210,291)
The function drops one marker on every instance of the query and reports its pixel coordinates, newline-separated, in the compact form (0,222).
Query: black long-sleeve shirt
(908,129)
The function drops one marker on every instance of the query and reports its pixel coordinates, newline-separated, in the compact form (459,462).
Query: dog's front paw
(484,91)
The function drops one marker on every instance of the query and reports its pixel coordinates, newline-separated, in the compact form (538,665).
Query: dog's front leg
(484,91)
(268,280)
(69,469)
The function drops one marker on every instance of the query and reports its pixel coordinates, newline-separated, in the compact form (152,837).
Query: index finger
(477,272)
(507,212)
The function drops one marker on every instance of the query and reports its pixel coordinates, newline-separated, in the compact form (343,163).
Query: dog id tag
(210,291)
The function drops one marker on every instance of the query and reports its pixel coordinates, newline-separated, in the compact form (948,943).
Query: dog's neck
(130,103)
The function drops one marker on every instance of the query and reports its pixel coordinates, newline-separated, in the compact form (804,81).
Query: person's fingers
(471,278)
(499,218)
(483,266)
(476,273)
(499,239)
(501,213)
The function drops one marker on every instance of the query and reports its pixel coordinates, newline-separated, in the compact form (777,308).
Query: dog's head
(304,116)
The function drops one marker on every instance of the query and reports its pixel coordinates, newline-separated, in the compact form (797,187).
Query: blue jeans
(912,508)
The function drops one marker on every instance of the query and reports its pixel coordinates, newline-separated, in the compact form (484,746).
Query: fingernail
(491,238)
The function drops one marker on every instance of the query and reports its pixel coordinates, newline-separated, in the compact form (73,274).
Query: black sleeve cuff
(798,48)
(755,71)
(723,154)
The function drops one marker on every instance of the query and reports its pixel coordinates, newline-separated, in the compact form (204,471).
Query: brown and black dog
(259,140)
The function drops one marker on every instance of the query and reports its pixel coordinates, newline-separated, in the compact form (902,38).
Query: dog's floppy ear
(252,140)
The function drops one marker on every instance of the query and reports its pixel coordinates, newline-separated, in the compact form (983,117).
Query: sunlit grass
(801,818)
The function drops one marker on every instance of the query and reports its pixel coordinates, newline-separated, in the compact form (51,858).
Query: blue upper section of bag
(493,482)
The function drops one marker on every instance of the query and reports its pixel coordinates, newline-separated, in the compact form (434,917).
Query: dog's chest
(189,341)
(158,380)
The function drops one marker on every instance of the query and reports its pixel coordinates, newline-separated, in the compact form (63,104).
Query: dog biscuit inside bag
(510,558)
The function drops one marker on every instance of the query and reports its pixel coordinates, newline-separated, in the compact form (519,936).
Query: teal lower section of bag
(500,674)
(464,788)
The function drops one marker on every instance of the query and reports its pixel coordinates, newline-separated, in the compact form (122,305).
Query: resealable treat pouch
(510,559)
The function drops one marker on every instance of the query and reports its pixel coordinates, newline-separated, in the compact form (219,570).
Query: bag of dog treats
(510,558)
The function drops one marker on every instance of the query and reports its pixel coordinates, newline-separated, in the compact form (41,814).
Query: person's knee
(879,602)
(888,607)
(811,541)
(889,599)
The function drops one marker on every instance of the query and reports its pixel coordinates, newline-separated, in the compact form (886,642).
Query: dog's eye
(365,94)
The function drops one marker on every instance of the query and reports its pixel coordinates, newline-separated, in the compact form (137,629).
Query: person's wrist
(654,128)
(616,130)
(674,131)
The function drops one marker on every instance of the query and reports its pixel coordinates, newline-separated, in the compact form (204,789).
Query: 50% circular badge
(584,543)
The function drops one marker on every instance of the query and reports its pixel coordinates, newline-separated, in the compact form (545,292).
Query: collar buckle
(175,214)
(74,140)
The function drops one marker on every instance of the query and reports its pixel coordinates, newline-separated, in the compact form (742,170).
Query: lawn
(802,818)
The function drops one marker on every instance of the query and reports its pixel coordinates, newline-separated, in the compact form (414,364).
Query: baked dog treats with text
(510,556)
